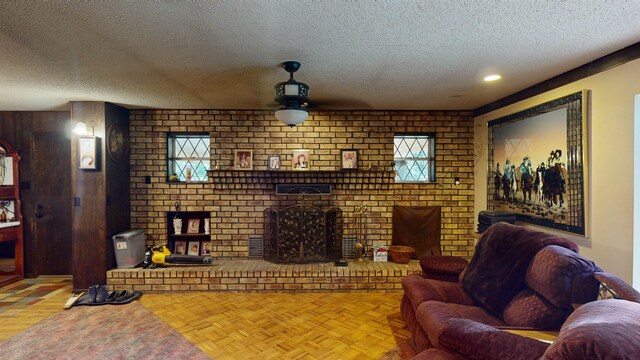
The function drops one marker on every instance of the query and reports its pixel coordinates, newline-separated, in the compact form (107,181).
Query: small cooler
(129,248)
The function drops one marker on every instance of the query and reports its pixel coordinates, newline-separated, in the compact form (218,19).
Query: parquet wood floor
(284,325)
(357,325)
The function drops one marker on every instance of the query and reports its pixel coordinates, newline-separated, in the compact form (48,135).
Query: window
(189,157)
(414,157)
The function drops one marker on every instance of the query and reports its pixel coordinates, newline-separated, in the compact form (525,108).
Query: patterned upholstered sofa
(518,278)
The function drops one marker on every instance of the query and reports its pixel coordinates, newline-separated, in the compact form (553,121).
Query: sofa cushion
(435,354)
(498,267)
(433,316)
(473,340)
(418,290)
(605,329)
(530,310)
(562,277)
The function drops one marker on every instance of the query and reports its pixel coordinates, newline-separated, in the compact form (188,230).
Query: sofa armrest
(442,267)
(618,286)
(473,340)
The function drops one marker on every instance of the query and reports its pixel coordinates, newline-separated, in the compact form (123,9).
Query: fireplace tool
(361,243)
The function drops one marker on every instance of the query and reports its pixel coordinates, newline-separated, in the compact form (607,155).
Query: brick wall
(237,214)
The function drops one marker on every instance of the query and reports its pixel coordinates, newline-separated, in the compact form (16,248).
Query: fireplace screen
(302,233)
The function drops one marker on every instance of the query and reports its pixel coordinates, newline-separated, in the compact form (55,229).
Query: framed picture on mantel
(349,159)
(300,160)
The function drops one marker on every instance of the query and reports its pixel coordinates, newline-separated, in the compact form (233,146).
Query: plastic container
(129,248)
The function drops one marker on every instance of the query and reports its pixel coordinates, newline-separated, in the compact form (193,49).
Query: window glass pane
(189,154)
(413,156)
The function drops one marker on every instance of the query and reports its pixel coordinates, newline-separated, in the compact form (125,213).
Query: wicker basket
(400,254)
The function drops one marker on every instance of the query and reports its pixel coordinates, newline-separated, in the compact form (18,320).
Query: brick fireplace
(236,200)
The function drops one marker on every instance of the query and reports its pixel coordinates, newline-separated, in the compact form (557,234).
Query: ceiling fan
(293,100)
(292,97)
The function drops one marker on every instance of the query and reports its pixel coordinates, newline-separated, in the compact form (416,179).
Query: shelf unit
(201,237)
(268,179)
(12,229)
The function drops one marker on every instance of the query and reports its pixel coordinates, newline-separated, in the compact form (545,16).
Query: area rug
(19,296)
(101,332)
(403,351)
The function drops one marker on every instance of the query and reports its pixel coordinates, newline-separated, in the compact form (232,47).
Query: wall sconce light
(456,181)
(82,129)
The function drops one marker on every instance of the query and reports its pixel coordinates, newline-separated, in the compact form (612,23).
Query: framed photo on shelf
(274,162)
(243,159)
(87,152)
(181,248)
(206,248)
(194,248)
(300,160)
(193,226)
(349,159)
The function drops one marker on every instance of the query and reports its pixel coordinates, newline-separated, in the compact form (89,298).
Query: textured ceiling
(355,54)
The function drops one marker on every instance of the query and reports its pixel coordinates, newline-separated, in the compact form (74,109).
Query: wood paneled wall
(101,197)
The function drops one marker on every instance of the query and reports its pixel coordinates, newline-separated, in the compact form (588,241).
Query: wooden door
(51,217)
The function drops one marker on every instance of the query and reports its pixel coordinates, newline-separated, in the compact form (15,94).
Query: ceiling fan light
(291,117)
(291,90)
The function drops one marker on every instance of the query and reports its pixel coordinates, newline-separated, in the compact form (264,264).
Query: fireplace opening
(302,234)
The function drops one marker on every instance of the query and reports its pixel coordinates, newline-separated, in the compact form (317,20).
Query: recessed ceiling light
(493,77)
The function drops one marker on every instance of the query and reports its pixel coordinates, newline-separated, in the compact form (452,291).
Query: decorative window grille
(414,157)
(189,155)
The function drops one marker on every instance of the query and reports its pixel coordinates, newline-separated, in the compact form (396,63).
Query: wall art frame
(88,152)
(538,164)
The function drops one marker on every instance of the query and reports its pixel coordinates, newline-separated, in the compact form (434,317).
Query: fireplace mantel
(267,179)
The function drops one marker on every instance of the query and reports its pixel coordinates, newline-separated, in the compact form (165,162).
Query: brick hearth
(263,276)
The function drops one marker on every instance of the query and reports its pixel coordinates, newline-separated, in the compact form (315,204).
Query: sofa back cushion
(563,277)
(530,310)
(605,329)
(556,278)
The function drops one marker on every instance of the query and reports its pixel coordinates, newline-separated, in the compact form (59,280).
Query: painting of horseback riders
(531,162)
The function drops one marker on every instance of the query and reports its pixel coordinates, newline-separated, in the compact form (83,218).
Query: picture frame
(193,226)
(349,159)
(194,248)
(300,160)
(274,162)
(87,152)
(538,164)
(243,159)
(206,248)
(180,248)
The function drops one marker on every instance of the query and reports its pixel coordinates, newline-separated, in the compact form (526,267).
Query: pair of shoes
(122,296)
(102,294)
(92,292)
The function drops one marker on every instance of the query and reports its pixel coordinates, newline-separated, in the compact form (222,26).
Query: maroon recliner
(517,278)
(606,329)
